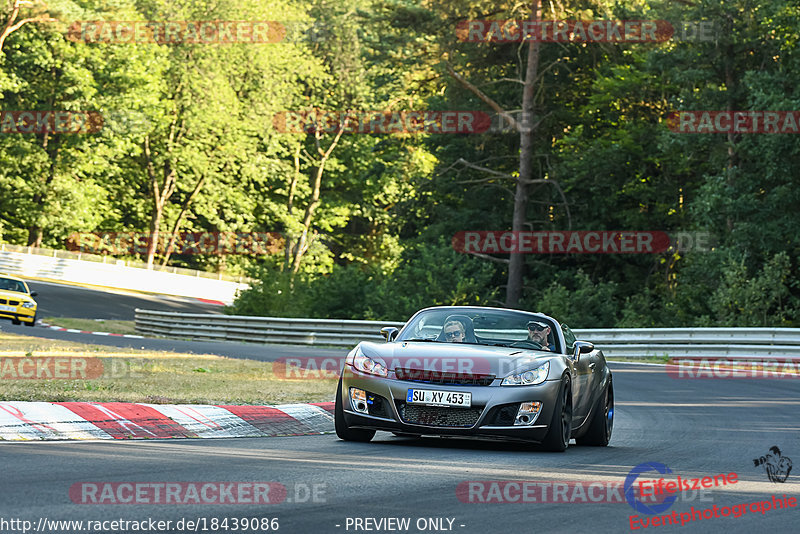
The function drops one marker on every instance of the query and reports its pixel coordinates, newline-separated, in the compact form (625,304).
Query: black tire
(560,431)
(32,323)
(16,322)
(602,424)
(342,430)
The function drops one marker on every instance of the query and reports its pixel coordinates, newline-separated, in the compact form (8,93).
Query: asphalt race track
(695,427)
(58,300)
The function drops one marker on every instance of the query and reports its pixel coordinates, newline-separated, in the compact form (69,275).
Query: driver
(539,332)
(454,331)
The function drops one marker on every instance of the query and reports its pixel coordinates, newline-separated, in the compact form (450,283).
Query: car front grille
(435,416)
(439,377)
(9,302)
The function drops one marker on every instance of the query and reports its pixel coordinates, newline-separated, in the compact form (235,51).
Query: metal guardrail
(86,269)
(732,343)
(334,332)
(110,260)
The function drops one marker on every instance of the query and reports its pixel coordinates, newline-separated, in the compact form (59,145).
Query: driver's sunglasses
(537,328)
(451,335)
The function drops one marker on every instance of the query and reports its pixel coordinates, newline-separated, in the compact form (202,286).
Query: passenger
(458,329)
(454,332)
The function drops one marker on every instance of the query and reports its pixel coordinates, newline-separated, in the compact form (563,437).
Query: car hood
(460,358)
(15,295)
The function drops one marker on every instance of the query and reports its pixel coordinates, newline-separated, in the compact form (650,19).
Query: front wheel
(599,433)
(342,430)
(32,323)
(560,431)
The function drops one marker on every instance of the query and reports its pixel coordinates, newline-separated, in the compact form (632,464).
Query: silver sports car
(483,372)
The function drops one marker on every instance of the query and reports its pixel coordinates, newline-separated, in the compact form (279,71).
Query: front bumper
(492,413)
(26,315)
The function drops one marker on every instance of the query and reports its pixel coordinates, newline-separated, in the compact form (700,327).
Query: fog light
(527,413)
(358,400)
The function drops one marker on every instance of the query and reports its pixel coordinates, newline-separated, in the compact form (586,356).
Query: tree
(13,22)
(216,101)
(59,180)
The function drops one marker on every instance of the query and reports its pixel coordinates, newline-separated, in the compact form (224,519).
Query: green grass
(131,375)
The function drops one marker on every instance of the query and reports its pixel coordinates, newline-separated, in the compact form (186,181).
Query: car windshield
(481,327)
(7,284)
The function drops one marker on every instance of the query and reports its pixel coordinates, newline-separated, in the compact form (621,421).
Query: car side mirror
(582,347)
(34,293)
(389,333)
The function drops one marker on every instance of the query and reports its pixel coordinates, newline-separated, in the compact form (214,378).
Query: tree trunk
(36,230)
(155,225)
(517,261)
(179,220)
(35,235)
(730,82)
(161,193)
(288,251)
(302,242)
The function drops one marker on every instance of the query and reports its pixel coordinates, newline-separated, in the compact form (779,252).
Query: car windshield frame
(491,327)
(6,283)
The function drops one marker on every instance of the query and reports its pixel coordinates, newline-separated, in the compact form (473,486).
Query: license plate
(439,398)
(3,307)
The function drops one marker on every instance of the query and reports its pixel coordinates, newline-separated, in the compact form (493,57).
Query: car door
(582,379)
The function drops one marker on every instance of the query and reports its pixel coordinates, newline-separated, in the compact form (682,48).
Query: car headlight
(528,378)
(28,304)
(367,365)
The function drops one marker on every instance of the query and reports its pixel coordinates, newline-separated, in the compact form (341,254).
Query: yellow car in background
(16,300)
